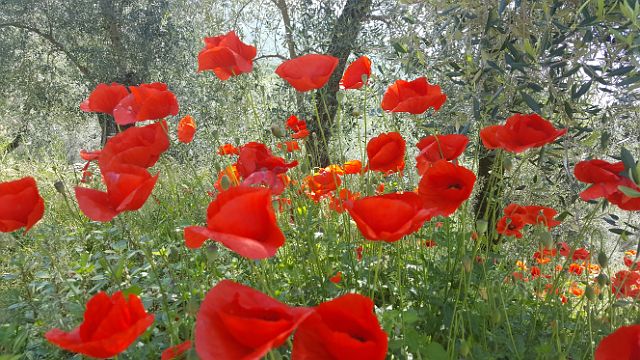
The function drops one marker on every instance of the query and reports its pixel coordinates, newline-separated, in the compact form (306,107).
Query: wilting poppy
(520,133)
(128,188)
(343,328)
(238,322)
(413,97)
(243,220)
(388,217)
(146,102)
(175,351)
(20,204)
(111,324)
(355,73)
(256,156)
(386,152)
(445,186)
(139,146)
(104,98)
(228,149)
(226,55)
(308,72)
(622,344)
(439,147)
(186,129)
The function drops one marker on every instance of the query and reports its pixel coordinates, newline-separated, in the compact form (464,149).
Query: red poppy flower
(386,152)
(622,344)
(414,97)
(520,133)
(321,184)
(606,182)
(626,284)
(445,186)
(175,351)
(128,188)
(510,225)
(275,182)
(138,146)
(355,72)
(186,129)
(243,220)
(581,254)
(228,149)
(388,217)
(359,251)
(336,278)
(564,249)
(20,205)
(289,146)
(238,322)
(541,215)
(352,167)
(111,324)
(146,102)
(226,55)
(104,98)
(535,272)
(89,155)
(308,72)
(439,147)
(256,156)
(343,328)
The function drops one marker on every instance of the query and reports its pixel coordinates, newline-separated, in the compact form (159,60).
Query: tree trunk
(343,37)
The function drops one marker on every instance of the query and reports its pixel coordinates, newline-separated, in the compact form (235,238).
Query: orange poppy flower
(355,72)
(228,149)
(289,146)
(186,129)
(413,97)
(308,72)
(226,55)
(352,167)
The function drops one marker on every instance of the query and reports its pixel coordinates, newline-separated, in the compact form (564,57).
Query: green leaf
(531,102)
(133,289)
(435,351)
(627,159)
(582,90)
(629,191)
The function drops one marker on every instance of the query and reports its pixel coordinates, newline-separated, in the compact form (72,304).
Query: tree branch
(55,43)
(270,56)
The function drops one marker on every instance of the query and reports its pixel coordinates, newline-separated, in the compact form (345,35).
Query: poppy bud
(496,317)
(355,113)
(467,263)
(340,96)
(602,279)
(481,226)
(603,260)
(483,293)
(277,131)
(225,183)
(590,293)
(507,164)
(465,348)
(59,185)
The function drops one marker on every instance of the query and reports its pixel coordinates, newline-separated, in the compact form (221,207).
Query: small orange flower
(576,290)
(227,178)
(228,149)
(352,167)
(575,269)
(336,278)
(521,265)
(289,146)
(186,129)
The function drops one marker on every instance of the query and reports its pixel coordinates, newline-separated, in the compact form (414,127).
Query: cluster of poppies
(517,216)
(235,321)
